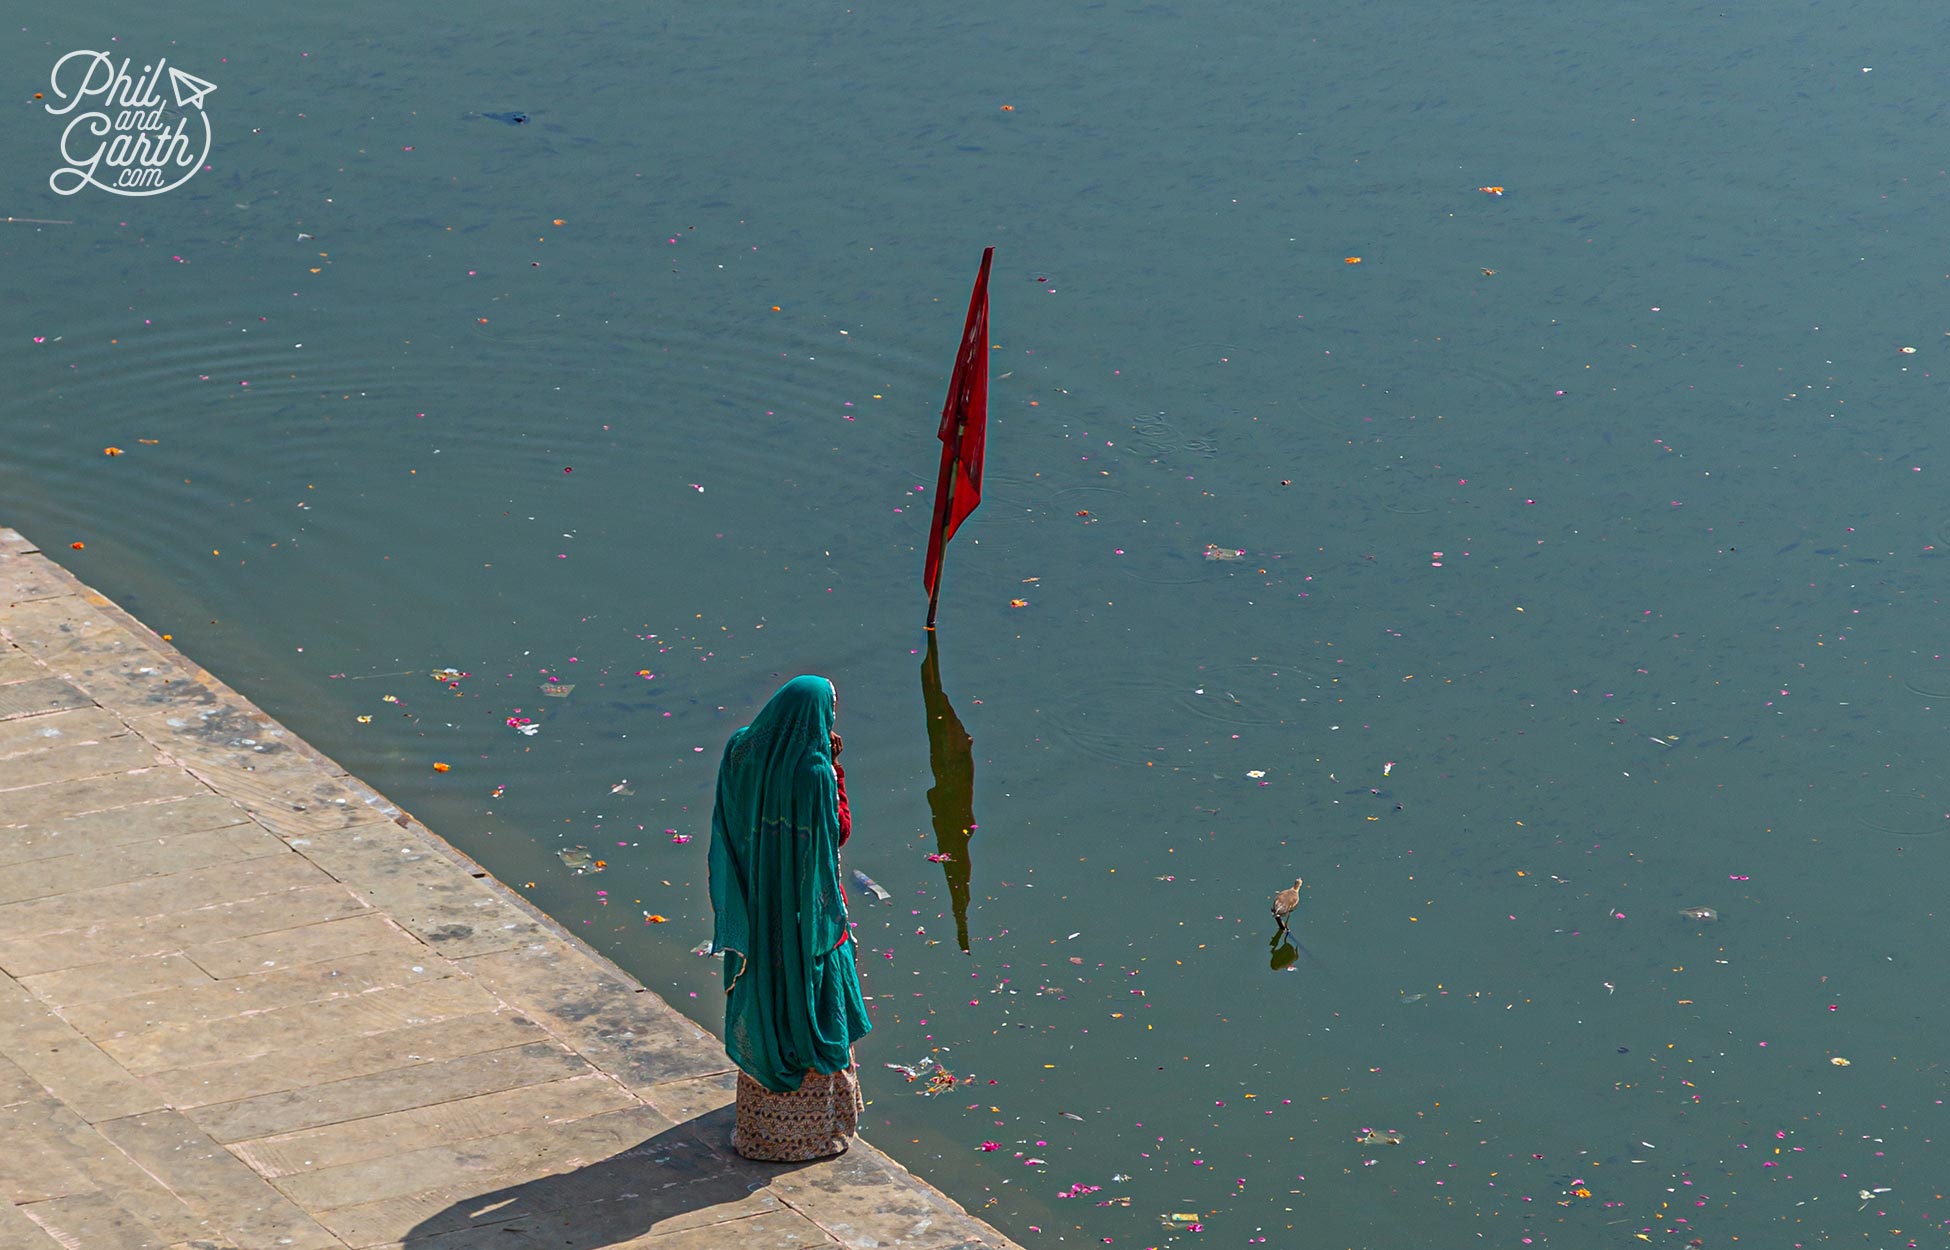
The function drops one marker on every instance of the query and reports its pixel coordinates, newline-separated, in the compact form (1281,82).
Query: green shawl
(792,993)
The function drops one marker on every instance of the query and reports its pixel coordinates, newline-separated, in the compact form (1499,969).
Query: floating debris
(446,674)
(1379,1137)
(1704,914)
(580,859)
(870,885)
(706,949)
(558,690)
(1069,1115)
(1216,552)
(622,787)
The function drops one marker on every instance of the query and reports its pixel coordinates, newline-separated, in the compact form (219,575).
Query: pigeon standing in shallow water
(1285,901)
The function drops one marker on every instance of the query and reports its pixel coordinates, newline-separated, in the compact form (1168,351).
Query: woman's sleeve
(846,816)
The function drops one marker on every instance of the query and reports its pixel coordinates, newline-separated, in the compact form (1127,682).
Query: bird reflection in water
(951,755)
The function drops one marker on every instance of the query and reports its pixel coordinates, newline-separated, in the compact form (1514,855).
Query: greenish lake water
(1589,552)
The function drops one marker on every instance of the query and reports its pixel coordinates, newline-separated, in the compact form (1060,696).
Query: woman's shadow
(674,1180)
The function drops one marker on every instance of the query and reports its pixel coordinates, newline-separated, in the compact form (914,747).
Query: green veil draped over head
(792,992)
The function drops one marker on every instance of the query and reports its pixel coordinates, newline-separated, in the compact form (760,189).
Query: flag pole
(944,506)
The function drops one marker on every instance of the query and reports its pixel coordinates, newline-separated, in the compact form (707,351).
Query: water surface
(1574,593)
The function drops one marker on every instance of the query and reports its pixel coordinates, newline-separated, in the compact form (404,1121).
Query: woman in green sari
(792,994)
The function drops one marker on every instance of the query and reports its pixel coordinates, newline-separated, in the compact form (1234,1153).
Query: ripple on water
(1035,511)
(1901,829)
(1259,692)
(1215,353)
(1142,720)
(1934,686)
(1104,503)
(1119,720)
(1468,384)
(1157,437)
(1906,816)
(189,360)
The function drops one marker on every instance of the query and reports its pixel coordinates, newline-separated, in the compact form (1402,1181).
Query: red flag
(964,430)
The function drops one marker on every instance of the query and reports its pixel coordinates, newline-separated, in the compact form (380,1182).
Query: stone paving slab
(67,1157)
(92,832)
(93,1219)
(19,1232)
(316,1062)
(36,695)
(214,1183)
(664,1184)
(246,1002)
(17,665)
(395,1090)
(757,1223)
(77,760)
(156,935)
(155,857)
(328,940)
(159,895)
(38,733)
(31,576)
(623,1028)
(115,978)
(151,857)
(199,1007)
(431,895)
(16,1086)
(36,1039)
(380,1137)
(94,796)
(270,1032)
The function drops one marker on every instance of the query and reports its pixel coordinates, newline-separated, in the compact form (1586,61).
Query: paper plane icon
(189,89)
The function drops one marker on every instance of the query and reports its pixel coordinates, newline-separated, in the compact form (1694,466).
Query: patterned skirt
(812,1122)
